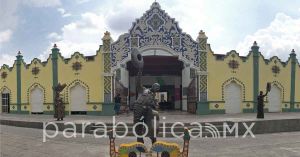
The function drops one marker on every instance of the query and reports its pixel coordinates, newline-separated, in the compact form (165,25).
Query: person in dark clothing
(117,104)
(260,104)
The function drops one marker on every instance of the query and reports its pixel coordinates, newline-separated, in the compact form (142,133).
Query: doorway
(36,100)
(274,98)
(78,99)
(165,70)
(233,98)
(5,97)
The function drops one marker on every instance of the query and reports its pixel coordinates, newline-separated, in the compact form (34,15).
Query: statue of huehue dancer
(59,108)
(260,101)
(145,106)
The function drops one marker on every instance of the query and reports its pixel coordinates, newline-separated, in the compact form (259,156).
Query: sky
(33,26)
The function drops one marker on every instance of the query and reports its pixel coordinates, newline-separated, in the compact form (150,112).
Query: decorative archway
(78,100)
(36,99)
(77,95)
(235,80)
(5,89)
(275,97)
(233,97)
(279,85)
(72,84)
(155,30)
(32,87)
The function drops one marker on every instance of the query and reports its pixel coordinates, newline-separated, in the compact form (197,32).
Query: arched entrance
(5,100)
(78,99)
(233,98)
(274,98)
(170,56)
(36,100)
(165,70)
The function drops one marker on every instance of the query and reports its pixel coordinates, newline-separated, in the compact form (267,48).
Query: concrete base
(274,122)
(203,108)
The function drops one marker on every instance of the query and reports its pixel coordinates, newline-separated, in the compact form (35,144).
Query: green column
(19,85)
(293,77)
(256,53)
(55,52)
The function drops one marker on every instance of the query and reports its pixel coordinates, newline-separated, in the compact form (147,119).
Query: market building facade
(192,77)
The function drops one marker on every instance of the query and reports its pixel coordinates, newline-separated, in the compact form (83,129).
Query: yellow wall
(10,83)
(42,80)
(283,79)
(90,76)
(219,72)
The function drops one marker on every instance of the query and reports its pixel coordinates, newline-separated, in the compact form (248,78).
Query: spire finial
(107,33)
(293,51)
(54,46)
(19,53)
(106,36)
(202,34)
(255,43)
(155,4)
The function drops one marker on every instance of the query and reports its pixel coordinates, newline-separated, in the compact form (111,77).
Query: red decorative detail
(3,75)
(35,70)
(275,69)
(217,106)
(76,66)
(233,64)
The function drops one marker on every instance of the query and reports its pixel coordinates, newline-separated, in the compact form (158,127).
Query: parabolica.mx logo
(161,129)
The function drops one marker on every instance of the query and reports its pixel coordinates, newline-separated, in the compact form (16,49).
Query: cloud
(54,36)
(8,16)
(120,17)
(7,59)
(83,35)
(279,38)
(63,12)
(190,15)
(82,1)
(9,20)
(42,3)
(5,36)
(8,10)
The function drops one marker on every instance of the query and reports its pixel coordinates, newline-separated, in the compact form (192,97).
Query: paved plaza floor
(27,142)
(170,116)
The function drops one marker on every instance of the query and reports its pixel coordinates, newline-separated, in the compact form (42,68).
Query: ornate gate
(123,91)
(192,97)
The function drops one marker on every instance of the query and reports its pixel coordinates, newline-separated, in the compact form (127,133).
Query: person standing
(260,102)
(260,105)
(117,104)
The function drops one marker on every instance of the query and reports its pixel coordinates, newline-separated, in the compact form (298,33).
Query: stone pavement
(170,116)
(223,124)
(27,142)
